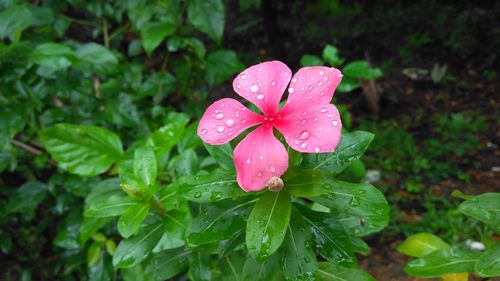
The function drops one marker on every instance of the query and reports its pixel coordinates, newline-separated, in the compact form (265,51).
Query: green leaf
(82,150)
(97,56)
(421,244)
(109,206)
(145,168)
(348,84)
(131,220)
(53,55)
(222,65)
(164,139)
(328,271)
(175,228)
(153,33)
(310,60)
(308,184)
(330,238)
(488,264)
(14,20)
(27,198)
(442,262)
(187,164)
(269,270)
(90,226)
(223,155)
(217,185)
(361,69)
(298,258)
(167,264)
(134,250)
(231,267)
(331,55)
(208,17)
(484,207)
(361,208)
(199,267)
(352,146)
(267,223)
(218,221)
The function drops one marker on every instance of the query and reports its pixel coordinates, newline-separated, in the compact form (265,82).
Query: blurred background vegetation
(421,75)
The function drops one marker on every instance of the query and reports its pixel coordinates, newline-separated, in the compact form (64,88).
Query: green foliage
(353,71)
(437,258)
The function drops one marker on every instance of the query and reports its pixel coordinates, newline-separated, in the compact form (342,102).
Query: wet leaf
(442,262)
(421,244)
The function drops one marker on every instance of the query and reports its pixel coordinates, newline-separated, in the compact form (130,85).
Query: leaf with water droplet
(354,205)
(166,264)
(266,224)
(484,207)
(352,146)
(329,271)
(298,259)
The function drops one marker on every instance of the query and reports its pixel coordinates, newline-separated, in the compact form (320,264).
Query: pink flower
(308,121)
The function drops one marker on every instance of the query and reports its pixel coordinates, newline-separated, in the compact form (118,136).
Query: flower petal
(311,86)
(314,129)
(263,84)
(258,158)
(224,120)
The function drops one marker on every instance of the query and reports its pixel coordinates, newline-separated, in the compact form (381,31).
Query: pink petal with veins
(258,158)
(311,86)
(224,120)
(263,85)
(313,129)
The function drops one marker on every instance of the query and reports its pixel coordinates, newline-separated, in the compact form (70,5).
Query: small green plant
(436,258)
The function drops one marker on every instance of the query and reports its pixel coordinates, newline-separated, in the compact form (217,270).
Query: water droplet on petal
(304,135)
(322,72)
(329,116)
(320,83)
(260,96)
(272,169)
(290,90)
(294,80)
(315,119)
(335,123)
(273,83)
(316,149)
(259,69)
(238,86)
(296,142)
(323,110)
(303,122)
(254,88)
(259,174)
(203,131)
(243,77)
(229,123)
(325,79)
(309,87)
(219,116)
(220,129)
(249,160)
(261,157)
(303,145)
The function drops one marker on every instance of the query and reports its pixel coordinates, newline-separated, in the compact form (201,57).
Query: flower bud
(275,184)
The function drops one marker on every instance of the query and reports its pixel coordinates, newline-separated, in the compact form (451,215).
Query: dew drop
(290,90)
(325,79)
(219,116)
(230,133)
(303,145)
(229,123)
(260,96)
(294,80)
(254,88)
(296,142)
(335,123)
(320,83)
(220,129)
(316,149)
(238,86)
(243,108)
(203,131)
(304,135)
(273,83)
(315,119)
(309,87)
(249,160)
(329,115)
(259,69)
(261,157)
(303,122)
(272,169)
(259,174)
(323,110)
(243,77)
(322,73)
